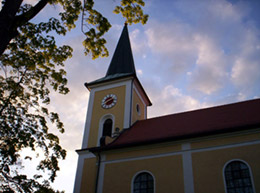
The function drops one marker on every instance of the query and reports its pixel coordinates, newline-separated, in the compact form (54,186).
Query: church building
(210,150)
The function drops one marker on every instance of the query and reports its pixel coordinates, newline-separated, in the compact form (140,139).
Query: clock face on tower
(109,101)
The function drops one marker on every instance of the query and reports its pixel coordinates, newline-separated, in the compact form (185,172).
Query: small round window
(138,109)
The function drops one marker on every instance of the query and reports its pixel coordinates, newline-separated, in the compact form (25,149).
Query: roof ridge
(204,109)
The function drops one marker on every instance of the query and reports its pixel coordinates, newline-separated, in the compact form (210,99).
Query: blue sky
(190,55)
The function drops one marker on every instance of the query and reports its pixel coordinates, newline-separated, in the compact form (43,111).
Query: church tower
(116,102)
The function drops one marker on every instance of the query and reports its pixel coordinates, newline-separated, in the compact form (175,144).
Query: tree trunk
(7,16)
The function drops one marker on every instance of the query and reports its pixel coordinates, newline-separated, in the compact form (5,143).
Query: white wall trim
(187,169)
(88,120)
(101,174)
(80,166)
(108,84)
(127,113)
(182,151)
(143,171)
(185,146)
(249,168)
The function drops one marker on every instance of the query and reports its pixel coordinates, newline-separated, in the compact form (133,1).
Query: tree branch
(27,16)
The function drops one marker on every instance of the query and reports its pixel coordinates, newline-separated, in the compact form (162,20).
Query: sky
(189,55)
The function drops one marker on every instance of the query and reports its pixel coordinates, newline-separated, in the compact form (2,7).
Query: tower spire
(122,61)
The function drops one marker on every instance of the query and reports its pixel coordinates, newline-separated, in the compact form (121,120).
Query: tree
(32,66)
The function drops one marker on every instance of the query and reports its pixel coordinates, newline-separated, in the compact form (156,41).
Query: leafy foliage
(132,11)
(98,25)
(30,68)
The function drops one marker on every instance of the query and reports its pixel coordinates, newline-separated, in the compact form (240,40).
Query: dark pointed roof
(122,61)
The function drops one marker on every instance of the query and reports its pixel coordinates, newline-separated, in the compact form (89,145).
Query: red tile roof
(220,119)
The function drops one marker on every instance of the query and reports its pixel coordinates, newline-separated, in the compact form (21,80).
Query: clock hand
(108,100)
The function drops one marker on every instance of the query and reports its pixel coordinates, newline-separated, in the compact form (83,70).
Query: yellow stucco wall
(167,171)
(135,115)
(142,151)
(208,167)
(98,112)
(88,180)
(224,140)
(207,164)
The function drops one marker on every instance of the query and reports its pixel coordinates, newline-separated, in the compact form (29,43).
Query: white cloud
(241,97)
(172,40)
(245,71)
(138,44)
(172,100)
(139,72)
(32,2)
(189,50)
(217,49)
(224,10)
(211,66)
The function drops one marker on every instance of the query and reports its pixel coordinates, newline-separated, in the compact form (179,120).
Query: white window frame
(250,173)
(143,171)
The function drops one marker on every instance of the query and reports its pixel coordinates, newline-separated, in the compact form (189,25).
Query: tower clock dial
(109,101)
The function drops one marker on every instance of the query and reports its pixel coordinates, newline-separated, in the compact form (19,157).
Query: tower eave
(109,78)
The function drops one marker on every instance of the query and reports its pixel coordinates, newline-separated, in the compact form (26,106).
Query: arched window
(143,183)
(237,178)
(107,128)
